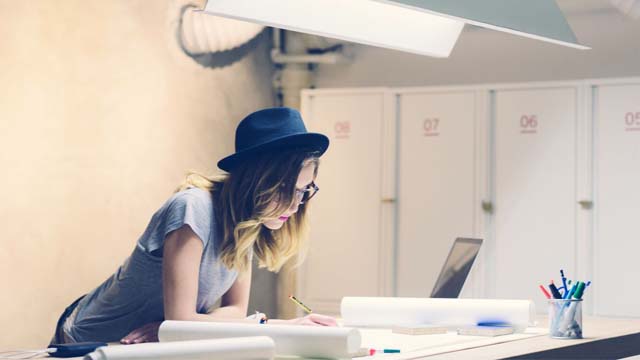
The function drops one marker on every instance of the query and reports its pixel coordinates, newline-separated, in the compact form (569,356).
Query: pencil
(300,304)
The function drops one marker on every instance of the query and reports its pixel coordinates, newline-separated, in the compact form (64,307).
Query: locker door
(346,253)
(436,184)
(617,202)
(535,186)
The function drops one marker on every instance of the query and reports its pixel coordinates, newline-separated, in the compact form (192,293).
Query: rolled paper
(290,340)
(243,348)
(386,312)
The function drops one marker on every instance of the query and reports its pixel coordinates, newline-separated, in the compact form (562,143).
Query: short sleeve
(191,207)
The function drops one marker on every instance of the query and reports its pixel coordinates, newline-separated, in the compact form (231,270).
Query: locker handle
(388,200)
(586,204)
(487,206)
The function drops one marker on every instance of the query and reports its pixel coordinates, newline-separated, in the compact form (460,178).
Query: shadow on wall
(219,59)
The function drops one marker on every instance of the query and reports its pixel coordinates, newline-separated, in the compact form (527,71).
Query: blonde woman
(198,246)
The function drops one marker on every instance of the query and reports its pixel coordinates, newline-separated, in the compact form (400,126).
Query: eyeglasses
(304,195)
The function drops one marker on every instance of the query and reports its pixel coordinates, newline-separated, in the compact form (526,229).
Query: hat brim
(312,141)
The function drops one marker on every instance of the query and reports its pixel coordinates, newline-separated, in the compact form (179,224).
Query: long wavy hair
(259,189)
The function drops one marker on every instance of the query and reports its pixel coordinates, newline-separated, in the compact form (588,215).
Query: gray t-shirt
(132,297)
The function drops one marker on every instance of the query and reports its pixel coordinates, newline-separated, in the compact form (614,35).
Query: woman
(198,246)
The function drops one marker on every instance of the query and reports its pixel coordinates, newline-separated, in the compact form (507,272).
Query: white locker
(436,192)
(530,149)
(535,186)
(350,250)
(617,201)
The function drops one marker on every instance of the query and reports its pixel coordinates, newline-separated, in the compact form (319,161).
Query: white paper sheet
(387,312)
(244,348)
(298,340)
(419,346)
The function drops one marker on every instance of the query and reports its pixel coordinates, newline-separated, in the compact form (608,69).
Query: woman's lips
(283,218)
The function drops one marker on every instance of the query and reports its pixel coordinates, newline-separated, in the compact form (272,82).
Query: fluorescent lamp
(536,19)
(362,21)
(426,27)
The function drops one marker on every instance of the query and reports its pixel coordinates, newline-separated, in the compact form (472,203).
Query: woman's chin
(273,224)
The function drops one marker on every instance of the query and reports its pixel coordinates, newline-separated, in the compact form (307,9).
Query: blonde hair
(245,198)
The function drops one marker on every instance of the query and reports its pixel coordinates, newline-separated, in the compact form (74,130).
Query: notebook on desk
(456,268)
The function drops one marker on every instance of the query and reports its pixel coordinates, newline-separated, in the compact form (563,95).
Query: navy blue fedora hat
(270,129)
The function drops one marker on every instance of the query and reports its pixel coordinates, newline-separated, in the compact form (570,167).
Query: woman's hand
(314,320)
(146,333)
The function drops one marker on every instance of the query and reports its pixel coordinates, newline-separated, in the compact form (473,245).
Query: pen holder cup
(565,318)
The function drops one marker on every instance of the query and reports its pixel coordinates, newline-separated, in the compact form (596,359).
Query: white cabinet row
(547,173)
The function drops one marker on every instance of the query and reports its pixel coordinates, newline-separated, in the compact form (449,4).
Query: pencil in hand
(300,304)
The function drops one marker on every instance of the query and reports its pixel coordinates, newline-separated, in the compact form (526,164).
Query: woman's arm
(182,254)
(235,301)
(180,272)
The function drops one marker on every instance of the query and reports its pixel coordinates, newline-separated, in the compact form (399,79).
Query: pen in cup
(554,291)
(564,281)
(545,292)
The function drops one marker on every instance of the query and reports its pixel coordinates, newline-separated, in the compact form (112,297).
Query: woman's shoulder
(191,197)
(192,206)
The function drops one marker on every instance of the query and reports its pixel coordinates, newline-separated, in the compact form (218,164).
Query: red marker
(546,293)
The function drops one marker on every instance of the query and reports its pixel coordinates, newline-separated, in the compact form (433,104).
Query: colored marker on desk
(383,351)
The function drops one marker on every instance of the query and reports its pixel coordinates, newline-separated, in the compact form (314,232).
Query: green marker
(577,294)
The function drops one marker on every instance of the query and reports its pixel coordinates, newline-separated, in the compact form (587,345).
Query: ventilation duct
(201,33)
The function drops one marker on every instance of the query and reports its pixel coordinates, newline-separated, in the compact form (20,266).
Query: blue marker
(564,282)
(568,293)
(494,323)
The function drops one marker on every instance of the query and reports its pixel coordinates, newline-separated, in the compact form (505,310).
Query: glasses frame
(311,189)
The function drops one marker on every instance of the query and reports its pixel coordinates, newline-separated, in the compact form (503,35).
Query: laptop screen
(456,268)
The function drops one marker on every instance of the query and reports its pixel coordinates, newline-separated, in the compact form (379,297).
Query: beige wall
(487,56)
(100,116)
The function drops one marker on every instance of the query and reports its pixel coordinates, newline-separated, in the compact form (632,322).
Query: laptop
(456,268)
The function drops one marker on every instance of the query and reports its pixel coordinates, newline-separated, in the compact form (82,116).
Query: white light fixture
(536,19)
(362,21)
(426,27)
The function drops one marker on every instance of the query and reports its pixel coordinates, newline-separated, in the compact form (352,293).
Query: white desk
(604,339)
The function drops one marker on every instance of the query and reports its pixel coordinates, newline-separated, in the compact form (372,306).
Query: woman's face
(305,178)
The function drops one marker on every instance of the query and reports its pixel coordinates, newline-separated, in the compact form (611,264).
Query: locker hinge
(487,207)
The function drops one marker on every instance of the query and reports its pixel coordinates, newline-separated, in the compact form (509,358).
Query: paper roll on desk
(298,340)
(244,348)
(387,312)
